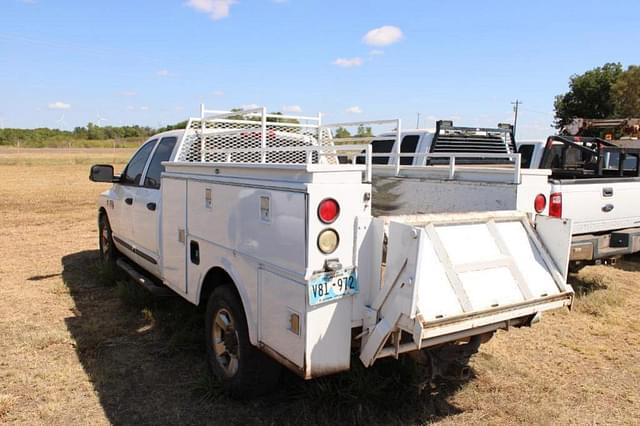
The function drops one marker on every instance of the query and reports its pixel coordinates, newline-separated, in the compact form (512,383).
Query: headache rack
(577,157)
(474,140)
(253,136)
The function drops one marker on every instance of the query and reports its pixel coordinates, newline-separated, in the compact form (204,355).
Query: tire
(245,371)
(108,251)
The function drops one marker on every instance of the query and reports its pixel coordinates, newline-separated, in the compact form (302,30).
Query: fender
(226,266)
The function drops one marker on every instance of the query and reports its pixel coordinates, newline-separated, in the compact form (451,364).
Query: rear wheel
(245,372)
(108,251)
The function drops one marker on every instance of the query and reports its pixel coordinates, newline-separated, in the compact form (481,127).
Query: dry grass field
(78,348)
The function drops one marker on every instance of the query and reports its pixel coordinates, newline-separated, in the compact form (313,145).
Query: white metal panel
(328,345)
(234,222)
(553,233)
(438,299)
(466,243)
(528,258)
(278,299)
(590,211)
(174,216)
(491,288)
(145,231)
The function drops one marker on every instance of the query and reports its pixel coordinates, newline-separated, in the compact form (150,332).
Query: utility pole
(418,121)
(515,104)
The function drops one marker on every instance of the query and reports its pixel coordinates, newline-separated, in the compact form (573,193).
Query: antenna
(418,121)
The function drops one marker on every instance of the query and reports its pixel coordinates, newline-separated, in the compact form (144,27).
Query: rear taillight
(540,203)
(328,210)
(555,204)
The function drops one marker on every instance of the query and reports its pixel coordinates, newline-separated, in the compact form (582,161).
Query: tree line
(608,91)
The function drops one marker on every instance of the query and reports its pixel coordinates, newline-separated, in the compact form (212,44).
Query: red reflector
(540,203)
(328,210)
(555,204)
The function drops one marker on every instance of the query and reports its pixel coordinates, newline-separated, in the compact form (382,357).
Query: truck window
(381,147)
(163,153)
(408,146)
(133,172)
(526,154)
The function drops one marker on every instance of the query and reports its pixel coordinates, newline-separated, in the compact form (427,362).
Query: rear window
(383,146)
(526,154)
(408,146)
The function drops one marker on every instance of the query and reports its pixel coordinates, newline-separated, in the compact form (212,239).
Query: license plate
(332,285)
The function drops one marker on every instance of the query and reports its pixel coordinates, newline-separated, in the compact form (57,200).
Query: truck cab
(133,203)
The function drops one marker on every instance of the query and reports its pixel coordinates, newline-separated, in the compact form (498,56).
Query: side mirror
(101,173)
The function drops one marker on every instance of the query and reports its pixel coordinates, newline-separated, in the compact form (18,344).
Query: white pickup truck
(588,180)
(251,214)
(597,185)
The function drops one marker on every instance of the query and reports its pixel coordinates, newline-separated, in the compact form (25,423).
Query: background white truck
(251,214)
(588,180)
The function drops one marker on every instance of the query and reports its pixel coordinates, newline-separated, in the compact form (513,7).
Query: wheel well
(215,278)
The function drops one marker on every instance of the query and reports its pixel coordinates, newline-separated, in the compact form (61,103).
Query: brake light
(540,203)
(328,210)
(555,204)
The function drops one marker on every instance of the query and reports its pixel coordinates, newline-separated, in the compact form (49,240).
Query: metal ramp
(454,276)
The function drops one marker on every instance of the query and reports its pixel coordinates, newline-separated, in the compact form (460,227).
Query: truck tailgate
(596,205)
(451,276)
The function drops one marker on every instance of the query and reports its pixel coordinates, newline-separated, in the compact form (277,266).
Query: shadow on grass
(146,360)
(583,285)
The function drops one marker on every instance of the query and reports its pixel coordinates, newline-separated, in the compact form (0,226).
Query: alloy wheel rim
(226,342)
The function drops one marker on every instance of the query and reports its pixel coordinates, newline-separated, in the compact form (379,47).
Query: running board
(148,284)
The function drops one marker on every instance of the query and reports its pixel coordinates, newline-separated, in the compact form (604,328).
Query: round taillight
(328,210)
(540,203)
(328,241)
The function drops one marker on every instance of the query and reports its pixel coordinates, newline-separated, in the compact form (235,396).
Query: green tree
(626,93)
(364,132)
(589,95)
(341,132)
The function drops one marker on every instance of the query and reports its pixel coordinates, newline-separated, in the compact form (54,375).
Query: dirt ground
(78,348)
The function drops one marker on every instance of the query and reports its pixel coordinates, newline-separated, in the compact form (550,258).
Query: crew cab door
(126,189)
(146,203)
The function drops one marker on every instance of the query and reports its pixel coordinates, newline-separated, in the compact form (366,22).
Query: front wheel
(244,370)
(108,251)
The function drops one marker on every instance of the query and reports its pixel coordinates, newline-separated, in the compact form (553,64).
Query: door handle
(128,201)
(151,206)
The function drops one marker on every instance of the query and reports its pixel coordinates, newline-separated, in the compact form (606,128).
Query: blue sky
(64,63)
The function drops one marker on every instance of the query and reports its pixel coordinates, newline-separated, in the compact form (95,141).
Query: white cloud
(218,93)
(354,110)
(144,108)
(179,108)
(249,106)
(291,108)
(128,93)
(130,108)
(383,36)
(162,73)
(216,9)
(348,62)
(376,52)
(59,105)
